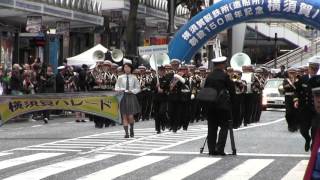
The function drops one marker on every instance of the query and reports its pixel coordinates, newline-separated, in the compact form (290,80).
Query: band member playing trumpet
(257,88)
(289,89)
(160,90)
(240,87)
(176,84)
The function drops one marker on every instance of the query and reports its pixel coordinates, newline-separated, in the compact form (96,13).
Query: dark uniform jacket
(219,80)
(304,92)
(164,85)
(59,83)
(288,87)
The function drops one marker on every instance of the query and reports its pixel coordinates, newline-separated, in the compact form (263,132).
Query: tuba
(159,60)
(240,59)
(98,55)
(117,55)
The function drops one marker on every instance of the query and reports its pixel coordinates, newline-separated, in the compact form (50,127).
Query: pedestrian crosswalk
(146,141)
(56,168)
(155,167)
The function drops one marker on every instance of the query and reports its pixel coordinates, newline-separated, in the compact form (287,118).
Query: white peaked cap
(314,60)
(219,59)
(92,66)
(175,60)
(127,61)
(99,61)
(61,67)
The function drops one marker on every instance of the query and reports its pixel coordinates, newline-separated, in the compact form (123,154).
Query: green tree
(131,29)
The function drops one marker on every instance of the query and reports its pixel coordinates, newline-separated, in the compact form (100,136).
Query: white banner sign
(150,50)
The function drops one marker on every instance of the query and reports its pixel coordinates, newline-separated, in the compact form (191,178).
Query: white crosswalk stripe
(53,169)
(297,172)
(180,168)
(247,169)
(186,169)
(124,168)
(112,141)
(26,159)
(4,154)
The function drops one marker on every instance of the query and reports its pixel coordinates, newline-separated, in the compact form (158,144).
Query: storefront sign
(150,50)
(99,104)
(34,24)
(224,14)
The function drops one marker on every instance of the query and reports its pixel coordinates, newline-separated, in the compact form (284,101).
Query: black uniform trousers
(291,113)
(193,110)
(175,113)
(160,115)
(305,121)
(217,118)
(145,99)
(257,108)
(248,108)
(237,110)
(185,114)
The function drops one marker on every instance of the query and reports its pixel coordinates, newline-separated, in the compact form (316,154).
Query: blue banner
(227,13)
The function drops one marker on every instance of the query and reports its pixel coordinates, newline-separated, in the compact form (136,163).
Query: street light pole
(171,16)
(210,47)
(276,50)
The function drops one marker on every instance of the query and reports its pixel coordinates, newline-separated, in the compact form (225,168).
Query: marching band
(169,94)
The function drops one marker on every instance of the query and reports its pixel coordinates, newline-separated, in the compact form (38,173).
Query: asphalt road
(66,150)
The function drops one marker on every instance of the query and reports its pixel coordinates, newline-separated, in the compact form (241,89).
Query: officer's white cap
(175,61)
(142,67)
(127,61)
(114,65)
(92,66)
(99,61)
(315,60)
(61,67)
(219,59)
(203,68)
(107,62)
(259,70)
(292,69)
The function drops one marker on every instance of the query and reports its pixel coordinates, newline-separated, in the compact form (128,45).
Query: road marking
(238,154)
(90,142)
(186,169)
(297,172)
(26,159)
(36,126)
(124,168)
(5,154)
(77,144)
(39,149)
(53,169)
(66,147)
(247,169)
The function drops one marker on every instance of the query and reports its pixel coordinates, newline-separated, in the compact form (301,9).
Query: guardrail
(296,56)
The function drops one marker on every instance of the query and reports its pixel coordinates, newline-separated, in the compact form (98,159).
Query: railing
(299,29)
(88,6)
(163,6)
(296,56)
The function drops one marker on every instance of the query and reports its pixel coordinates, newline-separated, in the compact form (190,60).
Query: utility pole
(276,50)
(210,47)
(171,17)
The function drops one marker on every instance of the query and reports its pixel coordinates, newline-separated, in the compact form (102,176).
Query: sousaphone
(117,55)
(240,59)
(159,60)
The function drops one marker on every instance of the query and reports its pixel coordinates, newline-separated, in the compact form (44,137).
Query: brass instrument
(238,60)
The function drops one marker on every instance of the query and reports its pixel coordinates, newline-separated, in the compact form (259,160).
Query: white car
(272,97)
